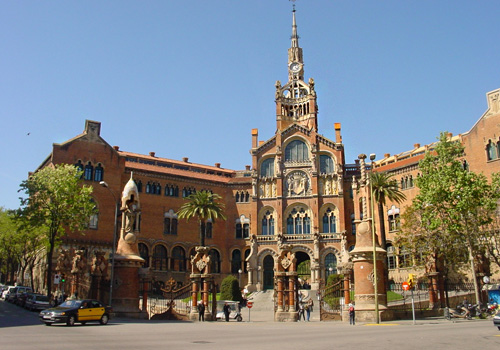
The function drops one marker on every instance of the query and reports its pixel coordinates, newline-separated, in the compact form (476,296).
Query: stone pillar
(280,294)
(291,295)
(362,257)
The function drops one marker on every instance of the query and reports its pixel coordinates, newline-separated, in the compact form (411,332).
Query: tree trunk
(383,242)
(202,233)
(49,266)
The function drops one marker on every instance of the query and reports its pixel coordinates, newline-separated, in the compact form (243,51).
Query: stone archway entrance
(268,280)
(303,267)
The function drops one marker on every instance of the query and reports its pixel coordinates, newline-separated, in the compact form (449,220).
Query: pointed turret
(296,100)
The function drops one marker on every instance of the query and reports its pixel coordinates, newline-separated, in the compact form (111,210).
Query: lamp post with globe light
(375,277)
(113,248)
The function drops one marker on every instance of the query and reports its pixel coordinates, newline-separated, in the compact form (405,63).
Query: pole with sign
(249,306)
(406,287)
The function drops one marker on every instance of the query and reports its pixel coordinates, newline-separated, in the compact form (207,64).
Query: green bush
(230,289)
(334,278)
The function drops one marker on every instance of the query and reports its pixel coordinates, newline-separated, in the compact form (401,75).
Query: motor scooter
(459,312)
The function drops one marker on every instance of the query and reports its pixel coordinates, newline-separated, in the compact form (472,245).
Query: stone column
(362,257)
(280,294)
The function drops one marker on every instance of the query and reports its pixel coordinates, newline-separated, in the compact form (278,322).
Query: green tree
(9,249)
(205,206)
(230,289)
(454,207)
(384,188)
(56,202)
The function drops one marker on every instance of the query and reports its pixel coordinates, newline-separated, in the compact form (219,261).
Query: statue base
(286,316)
(125,301)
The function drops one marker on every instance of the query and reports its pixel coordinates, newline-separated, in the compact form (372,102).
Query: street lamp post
(239,277)
(375,277)
(113,248)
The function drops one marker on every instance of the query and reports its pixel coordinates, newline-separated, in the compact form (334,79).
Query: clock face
(294,67)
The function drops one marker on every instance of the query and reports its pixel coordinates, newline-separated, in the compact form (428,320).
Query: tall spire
(295,62)
(295,36)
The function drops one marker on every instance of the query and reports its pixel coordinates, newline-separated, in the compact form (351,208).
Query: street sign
(57,278)
(249,304)
(406,286)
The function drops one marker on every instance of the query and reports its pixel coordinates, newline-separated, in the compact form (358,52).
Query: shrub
(230,289)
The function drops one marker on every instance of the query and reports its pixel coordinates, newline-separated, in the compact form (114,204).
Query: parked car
(6,292)
(21,298)
(496,320)
(73,311)
(37,302)
(16,292)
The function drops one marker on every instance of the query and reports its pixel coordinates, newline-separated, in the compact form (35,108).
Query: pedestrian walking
(309,308)
(301,311)
(227,311)
(201,311)
(351,315)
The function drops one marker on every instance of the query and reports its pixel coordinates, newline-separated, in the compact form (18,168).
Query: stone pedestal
(125,299)
(362,257)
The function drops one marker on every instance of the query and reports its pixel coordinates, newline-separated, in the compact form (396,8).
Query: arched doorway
(268,272)
(303,268)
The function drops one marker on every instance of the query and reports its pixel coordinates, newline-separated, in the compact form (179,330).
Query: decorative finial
(293,4)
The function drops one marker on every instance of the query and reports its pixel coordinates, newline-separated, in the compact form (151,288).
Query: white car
(5,293)
(496,320)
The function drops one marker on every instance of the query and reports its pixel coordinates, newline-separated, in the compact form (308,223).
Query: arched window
(89,169)
(326,165)
(98,173)
(215,260)
(170,223)
(330,264)
(79,165)
(235,261)
(144,253)
(491,150)
(208,228)
(391,257)
(267,168)
(242,227)
(298,221)
(329,221)
(178,259)
(268,224)
(296,151)
(237,197)
(94,219)
(160,258)
(139,185)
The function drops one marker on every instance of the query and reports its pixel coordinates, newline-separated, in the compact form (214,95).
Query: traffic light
(63,278)
(411,280)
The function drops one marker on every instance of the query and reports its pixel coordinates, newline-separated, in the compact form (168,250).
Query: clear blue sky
(191,78)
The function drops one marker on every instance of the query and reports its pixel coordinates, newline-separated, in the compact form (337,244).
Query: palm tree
(204,205)
(384,187)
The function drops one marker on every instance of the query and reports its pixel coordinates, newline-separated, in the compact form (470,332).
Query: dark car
(37,302)
(73,311)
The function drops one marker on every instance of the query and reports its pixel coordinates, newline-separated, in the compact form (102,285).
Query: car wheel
(104,319)
(83,323)
(239,319)
(48,324)
(71,321)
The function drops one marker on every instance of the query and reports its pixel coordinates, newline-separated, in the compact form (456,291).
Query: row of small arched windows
(242,197)
(407,182)
(90,172)
(160,260)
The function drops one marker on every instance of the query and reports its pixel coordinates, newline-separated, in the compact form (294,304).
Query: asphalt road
(21,329)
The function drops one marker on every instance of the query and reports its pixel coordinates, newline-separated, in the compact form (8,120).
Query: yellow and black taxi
(73,311)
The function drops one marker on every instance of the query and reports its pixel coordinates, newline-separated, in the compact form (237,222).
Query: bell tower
(296,100)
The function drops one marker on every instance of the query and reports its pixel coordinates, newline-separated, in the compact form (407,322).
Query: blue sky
(191,78)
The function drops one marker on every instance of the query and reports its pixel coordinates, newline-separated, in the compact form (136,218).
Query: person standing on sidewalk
(201,311)
(351,315)
(227,311)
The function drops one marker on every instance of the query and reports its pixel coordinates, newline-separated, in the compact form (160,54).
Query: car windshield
(71,303)
(41,298)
